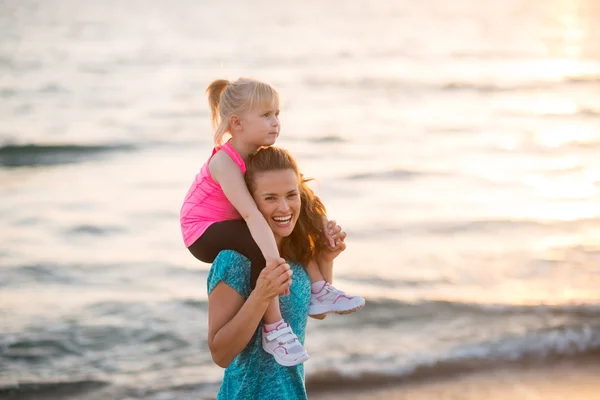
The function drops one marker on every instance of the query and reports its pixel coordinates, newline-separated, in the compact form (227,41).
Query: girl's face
(278,198)
(261,125)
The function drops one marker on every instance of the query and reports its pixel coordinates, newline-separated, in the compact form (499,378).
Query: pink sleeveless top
(205,202)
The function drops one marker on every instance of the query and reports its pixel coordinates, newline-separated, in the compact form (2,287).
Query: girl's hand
(328,233)
(274,280)
(338,236)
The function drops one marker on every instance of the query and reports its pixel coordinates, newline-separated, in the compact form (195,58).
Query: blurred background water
(456,142)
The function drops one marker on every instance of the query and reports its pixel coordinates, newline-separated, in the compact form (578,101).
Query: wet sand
(566,380)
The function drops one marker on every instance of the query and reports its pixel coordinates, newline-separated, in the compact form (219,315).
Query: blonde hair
(227,98)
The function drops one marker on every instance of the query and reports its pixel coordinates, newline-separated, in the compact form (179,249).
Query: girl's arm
(232,321)
(224,171)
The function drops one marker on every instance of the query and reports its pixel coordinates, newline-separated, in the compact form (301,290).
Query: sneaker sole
(323,315)
(288,363)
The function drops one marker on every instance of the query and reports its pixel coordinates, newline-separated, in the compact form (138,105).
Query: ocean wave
(110,334)
(430,308)
(38,349)
(491,225)
(583,79)
(134,309)
(396,283)
(8,92)
(328,139)
(93,230)
(474,226)
(449,86)
(46,274)
(28,155)
(84,275)
(394,174)
(53,87)
(397,84)
(181,114)
(196,303)
(588,112)
(389,314)
(94,337)
(50,389)
(495,225)
(454,227)
(491,88)
(68,275)
(579,112)
(535,348)
(467,226)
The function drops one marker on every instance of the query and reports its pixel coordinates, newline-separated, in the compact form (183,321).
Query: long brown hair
(306,241)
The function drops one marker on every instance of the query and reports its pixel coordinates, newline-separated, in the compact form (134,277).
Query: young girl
(219,212)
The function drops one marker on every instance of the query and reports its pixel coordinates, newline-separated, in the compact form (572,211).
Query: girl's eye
(269,198)
(293,195)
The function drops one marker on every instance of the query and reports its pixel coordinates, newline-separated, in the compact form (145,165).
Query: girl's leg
(235,235)
(273,313)
(314,273)
(326,299)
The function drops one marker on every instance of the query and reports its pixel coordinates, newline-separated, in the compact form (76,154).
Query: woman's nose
(283,205)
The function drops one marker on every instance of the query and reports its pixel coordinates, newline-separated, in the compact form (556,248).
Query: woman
(295,215)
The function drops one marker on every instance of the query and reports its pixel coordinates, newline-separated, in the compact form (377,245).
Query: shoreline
(566,379)
(577,379)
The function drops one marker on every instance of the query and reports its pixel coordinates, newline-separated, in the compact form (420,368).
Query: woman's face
(277,196)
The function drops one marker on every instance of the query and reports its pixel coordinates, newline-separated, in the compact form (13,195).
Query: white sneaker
(284,345)
(332,300)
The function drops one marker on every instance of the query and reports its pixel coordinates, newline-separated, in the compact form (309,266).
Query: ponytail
(219,124)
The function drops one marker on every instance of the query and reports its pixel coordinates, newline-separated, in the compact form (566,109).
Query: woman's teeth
(283,220)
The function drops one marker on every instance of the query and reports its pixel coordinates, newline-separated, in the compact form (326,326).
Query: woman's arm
(224,171)
(232,321)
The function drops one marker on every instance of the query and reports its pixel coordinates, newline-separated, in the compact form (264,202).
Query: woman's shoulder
(231,268)
(231,257)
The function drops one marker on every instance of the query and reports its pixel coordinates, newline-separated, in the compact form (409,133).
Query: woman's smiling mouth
(283,221)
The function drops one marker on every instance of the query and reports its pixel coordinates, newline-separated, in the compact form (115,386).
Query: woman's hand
(274,280)
(334,235)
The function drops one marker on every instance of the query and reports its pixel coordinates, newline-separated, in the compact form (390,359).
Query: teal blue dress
(254,374)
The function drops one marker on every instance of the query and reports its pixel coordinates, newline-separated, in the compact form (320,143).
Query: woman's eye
(269,198)
(293,195)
